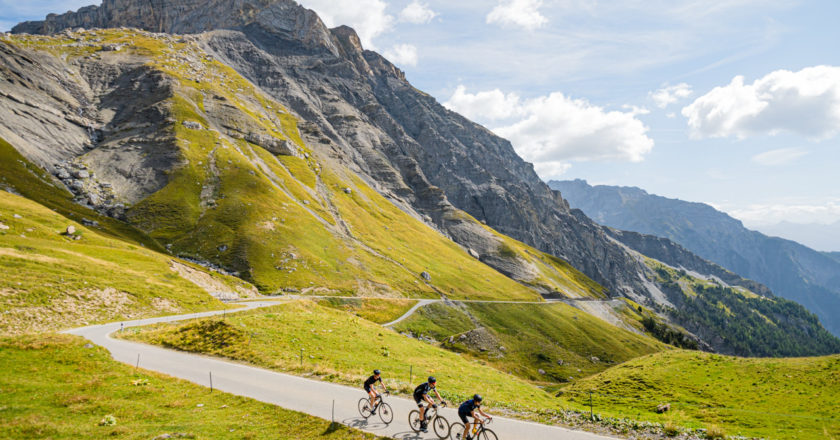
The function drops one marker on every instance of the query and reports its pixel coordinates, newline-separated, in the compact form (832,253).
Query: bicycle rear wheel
(364,407)
(441,427)
(487,435)
(385,413)
(414,420)
(456,430)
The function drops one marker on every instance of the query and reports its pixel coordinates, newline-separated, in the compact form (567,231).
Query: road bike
(386,414)
(439,423)
(478,430)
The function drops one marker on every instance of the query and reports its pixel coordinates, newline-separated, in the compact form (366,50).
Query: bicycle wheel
(385,413)
(364,407)
(441,427)
(487,435)
(456,430)
(414,420)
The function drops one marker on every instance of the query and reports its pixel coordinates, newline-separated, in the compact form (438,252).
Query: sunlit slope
(793,398)
(53,280)
(541,342)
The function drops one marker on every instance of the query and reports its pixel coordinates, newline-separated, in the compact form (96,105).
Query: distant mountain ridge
(791,270)
(821,237)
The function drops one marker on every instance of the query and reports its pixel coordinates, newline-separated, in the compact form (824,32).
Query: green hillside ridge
(286,222)
(793,398)
(562,341)
(748,324)
(62,390)
(343,348)
(52,281)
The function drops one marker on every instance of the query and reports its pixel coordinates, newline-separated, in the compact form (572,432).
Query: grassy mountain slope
(343,348)
(289,221)
(792,398)
(53,281)
(562,341)
(62,390)
(746,323)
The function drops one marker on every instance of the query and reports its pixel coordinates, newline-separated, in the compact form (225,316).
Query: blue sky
(734,103)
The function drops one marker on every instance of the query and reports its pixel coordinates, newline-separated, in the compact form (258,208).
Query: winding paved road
(305,395)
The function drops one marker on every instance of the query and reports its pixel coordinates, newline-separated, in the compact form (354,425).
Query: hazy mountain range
(790,269)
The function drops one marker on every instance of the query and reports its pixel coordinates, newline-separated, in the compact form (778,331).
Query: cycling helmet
(432,379)
(477,398)
(375,372)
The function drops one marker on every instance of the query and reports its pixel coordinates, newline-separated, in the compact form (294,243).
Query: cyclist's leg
(466,425)
(372,396)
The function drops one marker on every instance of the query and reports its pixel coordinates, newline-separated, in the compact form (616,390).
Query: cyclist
(421,396)
(370,388)
(468,409)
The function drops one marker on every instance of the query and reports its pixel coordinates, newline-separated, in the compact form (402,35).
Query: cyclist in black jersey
(468,409)
(421,396)
(370,388)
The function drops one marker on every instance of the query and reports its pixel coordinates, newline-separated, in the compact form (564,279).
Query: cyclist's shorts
(463,415)
(367,388)
(419,399)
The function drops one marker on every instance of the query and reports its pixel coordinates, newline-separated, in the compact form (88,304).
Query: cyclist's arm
(429,399)
(438,395)
(382,382)
(483,413)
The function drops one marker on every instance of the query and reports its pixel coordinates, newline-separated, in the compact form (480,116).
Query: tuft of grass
(62,390)
(715,433)
(770,398)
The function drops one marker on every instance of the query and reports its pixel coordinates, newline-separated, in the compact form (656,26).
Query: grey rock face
(51,107)
(274,145)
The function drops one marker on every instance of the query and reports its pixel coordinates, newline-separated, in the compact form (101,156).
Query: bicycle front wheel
(456,430)
(414,420)
(441,427)
(364,407)
(386,413)
(487,435)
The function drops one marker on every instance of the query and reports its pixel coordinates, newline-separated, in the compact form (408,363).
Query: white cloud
(490,105)
(806,102)
(770,214)
(417,12)
(553,130)
(777,157)
(521,13)
(402,55)
(670,94)
(368,17)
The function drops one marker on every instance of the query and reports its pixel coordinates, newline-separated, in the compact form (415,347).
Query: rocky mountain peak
(283,17)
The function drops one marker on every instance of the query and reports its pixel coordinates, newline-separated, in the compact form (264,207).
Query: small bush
(716,433)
